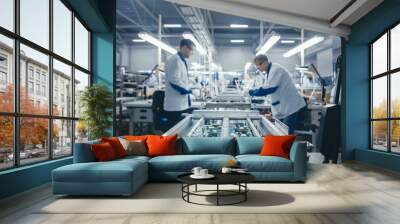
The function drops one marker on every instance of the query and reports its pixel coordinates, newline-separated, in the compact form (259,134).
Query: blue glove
(251,92)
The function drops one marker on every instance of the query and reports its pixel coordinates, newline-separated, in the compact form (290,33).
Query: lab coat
(278,85)
(177,92)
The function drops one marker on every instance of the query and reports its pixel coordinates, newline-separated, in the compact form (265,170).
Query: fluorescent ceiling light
(147,37)
(138,40)
(237,41)
(191,37)
(268,44)
(313,41)
(239,26)
(172,25)
(287,41)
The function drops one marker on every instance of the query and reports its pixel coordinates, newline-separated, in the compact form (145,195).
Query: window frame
(16,114)
(388,74)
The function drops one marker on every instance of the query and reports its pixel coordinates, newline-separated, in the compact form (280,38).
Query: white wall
(138,57)
(143,57)
(235,58)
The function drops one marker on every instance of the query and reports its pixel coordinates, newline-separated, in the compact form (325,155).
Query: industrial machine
(227,123)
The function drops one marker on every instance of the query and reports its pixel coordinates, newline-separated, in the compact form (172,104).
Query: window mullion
(73,81)
(50,81)
(389,104)
(16,84)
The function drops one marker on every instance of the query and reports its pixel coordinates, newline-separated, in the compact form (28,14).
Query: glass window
(81,82)
(81,45)
(40,62)
(33,139)
(395,95)
(7,14)
(62,71)
(34,80)
(395,47)
(7,74)
(379,135)
(62,137)
(379,56)
(31,88)
(379,98)
(6,142)
(81,131)
(35,21)
(62,29)
(395,136)
(30,71)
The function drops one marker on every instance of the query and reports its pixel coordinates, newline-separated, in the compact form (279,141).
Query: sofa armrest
(298,155)
(83,152)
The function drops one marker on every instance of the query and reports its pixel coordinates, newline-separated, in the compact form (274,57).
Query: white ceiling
(307,14)
(320,9)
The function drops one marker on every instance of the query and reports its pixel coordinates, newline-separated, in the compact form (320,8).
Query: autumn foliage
(379,128)
(33,131)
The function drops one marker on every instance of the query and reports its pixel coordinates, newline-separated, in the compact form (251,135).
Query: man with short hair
(177,90)
(286,102)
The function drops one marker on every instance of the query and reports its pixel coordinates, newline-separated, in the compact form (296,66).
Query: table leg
(217,194)
(188,190)
(245,193)
(195,188)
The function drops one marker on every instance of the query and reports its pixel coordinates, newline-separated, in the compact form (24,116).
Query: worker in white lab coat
(286,101)
(177,91)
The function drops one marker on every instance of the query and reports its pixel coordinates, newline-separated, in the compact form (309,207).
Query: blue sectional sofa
(125,176)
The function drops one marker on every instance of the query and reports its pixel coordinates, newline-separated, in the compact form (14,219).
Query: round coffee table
(238,179)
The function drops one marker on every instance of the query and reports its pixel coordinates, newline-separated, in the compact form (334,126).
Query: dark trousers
(292,120)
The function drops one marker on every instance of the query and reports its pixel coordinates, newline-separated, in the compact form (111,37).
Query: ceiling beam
(147,10)
(346,11)
(209,27)
(268,15)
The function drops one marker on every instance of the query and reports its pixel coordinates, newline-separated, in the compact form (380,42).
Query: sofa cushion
(161,145)
(257,163)
(185,163)
(116,145)
(112,171)
(103,152)
(277,145)
(135,137)
(135,147)
(203,145)
(249,145)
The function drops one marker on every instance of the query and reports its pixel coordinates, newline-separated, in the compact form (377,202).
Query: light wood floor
(351,181)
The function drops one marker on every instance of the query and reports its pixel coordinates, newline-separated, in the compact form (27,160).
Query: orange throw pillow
(277,145)
(116,145)
(161,145)
(103,152)
(135,137)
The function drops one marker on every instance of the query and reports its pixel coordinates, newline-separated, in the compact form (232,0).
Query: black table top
(220,178)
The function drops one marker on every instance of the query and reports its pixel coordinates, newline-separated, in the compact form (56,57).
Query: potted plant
(96,102)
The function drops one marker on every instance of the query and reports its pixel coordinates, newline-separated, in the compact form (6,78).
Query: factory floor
(347,180)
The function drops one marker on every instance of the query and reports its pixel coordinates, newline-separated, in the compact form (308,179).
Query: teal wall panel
(103,63)
(24,178)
